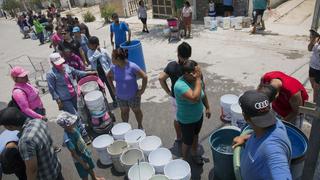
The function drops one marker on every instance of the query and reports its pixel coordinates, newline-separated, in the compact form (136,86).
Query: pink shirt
(28,99)
(69,85)
(56,38)
(75,62)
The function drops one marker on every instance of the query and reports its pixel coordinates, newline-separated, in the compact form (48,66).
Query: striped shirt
(36,141)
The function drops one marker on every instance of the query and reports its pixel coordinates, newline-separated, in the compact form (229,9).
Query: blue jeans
(40,37)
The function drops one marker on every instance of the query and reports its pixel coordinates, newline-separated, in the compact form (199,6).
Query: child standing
(211,10)
(77,147)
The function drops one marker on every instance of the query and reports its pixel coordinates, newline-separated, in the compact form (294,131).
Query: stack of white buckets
(226,22)
(231,111)
(141,157)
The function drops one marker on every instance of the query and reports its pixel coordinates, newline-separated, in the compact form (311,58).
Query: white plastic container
(160,158)
(88,87)
(149,144)
(226,101)
(207,22)
(226,23)
(238,23)
(214,25)
(246,22)
(95,103)
(129,157)
(119,130)
(219,21)
(178,170)
(134,136)
(100,144)
(232,22)
(141,171)
(237,117)
(115,150)
(159,177)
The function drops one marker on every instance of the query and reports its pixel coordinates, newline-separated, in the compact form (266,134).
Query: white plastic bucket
(159,158)
(119,130)
(246,22)
(232,22)
(95,103)
(237,117)
(149,144)
(219,21)
(178,170)
(129,157)
(134,136)
(238,23)
(226,101)
(100,144)
(214,25)
(159,177)
(226,23)
(88,87)
(207,22)
(141,171)
(115,150)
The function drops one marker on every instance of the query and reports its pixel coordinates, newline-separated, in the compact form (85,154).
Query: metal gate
(133,6)
(162,8)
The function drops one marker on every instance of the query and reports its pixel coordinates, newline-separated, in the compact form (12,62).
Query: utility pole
(316,16)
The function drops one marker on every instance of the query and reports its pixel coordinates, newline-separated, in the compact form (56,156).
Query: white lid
(236,108)
(150,143)
(135,135)
(229,99)
(121,128)
(102,141)
(93,96)
(160,157)
(89,86)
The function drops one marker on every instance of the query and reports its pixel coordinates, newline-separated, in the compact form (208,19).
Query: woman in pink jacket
(25,95)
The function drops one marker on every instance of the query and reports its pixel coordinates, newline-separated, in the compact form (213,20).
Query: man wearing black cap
(267,151)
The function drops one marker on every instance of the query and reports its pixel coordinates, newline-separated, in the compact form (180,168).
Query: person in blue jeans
(267,151)
(119,30)
(228,7)
(80,153)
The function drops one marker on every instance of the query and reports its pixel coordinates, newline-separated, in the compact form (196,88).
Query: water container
(133,137)
(160,158)
(219,21)
(214,25)
(88,87)
(226,101)
(135,53)
(237,117)
(238,23)
(100,144)
(246,22)
(130,157)
(178,169)
(232,22)
(207,22)
(226,23)
(220,142)
(115,150)
(159,177)
(141,171)
(119,130)
(149,144)
(95,103)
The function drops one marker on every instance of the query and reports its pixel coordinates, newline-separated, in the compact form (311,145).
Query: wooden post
(316,16)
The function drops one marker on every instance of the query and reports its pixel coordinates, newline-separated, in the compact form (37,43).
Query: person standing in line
(314,65)
(100,61)
(82,39)
(191,97)
(56,38)
(118,29)
(186,16)
(228,7)
(73,60)
(266,153)
(25,96)
(80,153)
(142,15)
(35,145)
(259,6)
(211,9)
(38,29)
(125,74)
(174,71)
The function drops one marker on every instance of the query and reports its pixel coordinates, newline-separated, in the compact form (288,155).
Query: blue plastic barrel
(135,53)
(223,157)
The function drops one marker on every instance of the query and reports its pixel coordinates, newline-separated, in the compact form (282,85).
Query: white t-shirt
(186,11)
(315,57)
(211,6)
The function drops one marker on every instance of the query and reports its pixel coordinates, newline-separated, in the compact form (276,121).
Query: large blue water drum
(220,143)
(135,53)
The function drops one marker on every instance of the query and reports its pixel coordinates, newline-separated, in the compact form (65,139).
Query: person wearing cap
(73,60)
(100,61)
(80,153)
(267,151)
(81,38)
(314,65)
(118,29)
(290,95)
(71,43)
(35,145)
(25,95)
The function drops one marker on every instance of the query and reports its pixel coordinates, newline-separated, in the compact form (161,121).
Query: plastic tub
(237,118)
(95,103)
(88,87)
(141,171)
(178,170)
(159,177)
(119,130)
(135,53)
(129,157)
(115,150)
(226,101)
(160,158)
(134,136)
(100,144)
(149,144)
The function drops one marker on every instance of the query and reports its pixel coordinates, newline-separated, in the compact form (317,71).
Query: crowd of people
(27,148)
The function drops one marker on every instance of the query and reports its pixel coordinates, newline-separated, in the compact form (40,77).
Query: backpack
(13,103)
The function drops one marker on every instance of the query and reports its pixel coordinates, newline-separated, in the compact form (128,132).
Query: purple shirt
(126,80)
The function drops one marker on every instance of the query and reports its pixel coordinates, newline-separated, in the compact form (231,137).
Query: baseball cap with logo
(18,71)
(256,105)
(76,29)
(56,59)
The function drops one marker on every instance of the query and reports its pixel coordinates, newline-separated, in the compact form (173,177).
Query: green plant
(10,5)
(106,12)
(88,17)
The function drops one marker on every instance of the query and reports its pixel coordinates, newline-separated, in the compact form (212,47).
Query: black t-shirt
(174,71)
(73,45)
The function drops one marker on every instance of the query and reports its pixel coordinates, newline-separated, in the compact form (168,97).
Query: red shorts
(187,21)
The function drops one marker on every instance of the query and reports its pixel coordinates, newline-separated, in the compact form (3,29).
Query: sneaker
(197,160)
